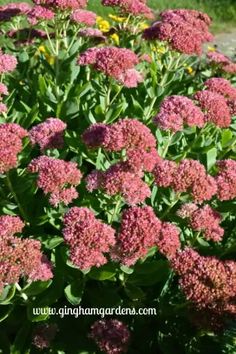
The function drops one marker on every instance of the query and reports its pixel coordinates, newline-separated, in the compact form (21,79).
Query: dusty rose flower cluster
(203,219)
(43,335)
(7,63)
(207,282)
(226,179)
(223,62)
(168,240)
(88,238)
(91,33)
(223,87)
(177,111)
(62,4)
(111,336)
(215,107)
(13,9)
(10,145)
(118,63)
(39,13)
(185,30)
(54,176)
(49,134)
(20,257)
(84,17)
(134,7)
(188,176)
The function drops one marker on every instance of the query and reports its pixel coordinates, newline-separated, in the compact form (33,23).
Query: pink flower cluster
(189,176)
(118,179)
(91,33)
(128,134)
(87,237)
(203,219)
(226,179)
(7,63)
(117,63)
(13,9)
(54,176)
(215,106)
(10,145)
(20,257)
(111,336)
(87,18)
(177,111)
(49,134)
(39,13)
(134,7)
(63,4)
(223,87)
(185,30)
(168,240)
(207,282)
(43,335)
(223,62)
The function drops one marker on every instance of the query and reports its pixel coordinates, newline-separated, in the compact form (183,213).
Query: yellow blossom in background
(117,18)
(42,50)
(50,59)
(115,38)
(189,70)
(143,25)
(211,49)
(103,24)
(157,49)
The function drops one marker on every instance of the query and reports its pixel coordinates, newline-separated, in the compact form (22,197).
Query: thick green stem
(23,295)
(174,202)
(11,189)
(166,148)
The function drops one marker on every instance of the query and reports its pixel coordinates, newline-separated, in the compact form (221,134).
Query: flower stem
(11,189)
(23,295)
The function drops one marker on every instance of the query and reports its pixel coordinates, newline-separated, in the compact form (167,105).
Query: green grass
(223,12)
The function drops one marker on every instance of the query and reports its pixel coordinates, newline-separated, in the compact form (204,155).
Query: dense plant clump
(117,181)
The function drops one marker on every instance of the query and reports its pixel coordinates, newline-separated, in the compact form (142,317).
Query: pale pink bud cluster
(43,335)
(207,282)
(20,257)
(49,134)
(39,13)
(185,30)
(223,62)
(223,87)
(7,63)
(215,107)
(139,232)
(10,145)
(226,179)
(204,219)
(134,7)
(88,238)
(111,336)
(84,17)
(189,176)
(63,4)
(119,180)
(114,62)
(56,177)
(177,111)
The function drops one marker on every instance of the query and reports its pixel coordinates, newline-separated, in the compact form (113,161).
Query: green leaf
(5,312)
(36,313)
(21,338)
(226,136)
(36,287)
(7,294)
(211,158)
(107,271)
(134,293)
(74,292)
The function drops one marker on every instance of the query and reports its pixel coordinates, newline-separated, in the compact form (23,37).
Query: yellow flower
(50,59)
(115,38)
(103,25)
(42,49)
(143,25)
(211,49)
(117,18)
(190,70)
(161,50)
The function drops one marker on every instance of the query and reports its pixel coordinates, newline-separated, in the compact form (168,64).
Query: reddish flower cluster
(13,9)
(185,30)
(49,134)
(39,13)
(7,63)
(138,232)
(223,62)
(26,36)
(63,4)
(54,176)
(215,106)
(87,237)
(20,257)
(168,240)
(87,18)
(114,62)
(188,176)
(119,180)
(43,335)
(176,111)
(92,32)
(223,87)
(226,179)
(10,145)
(207,282)
(134,7)
(111,336)
(204,219)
